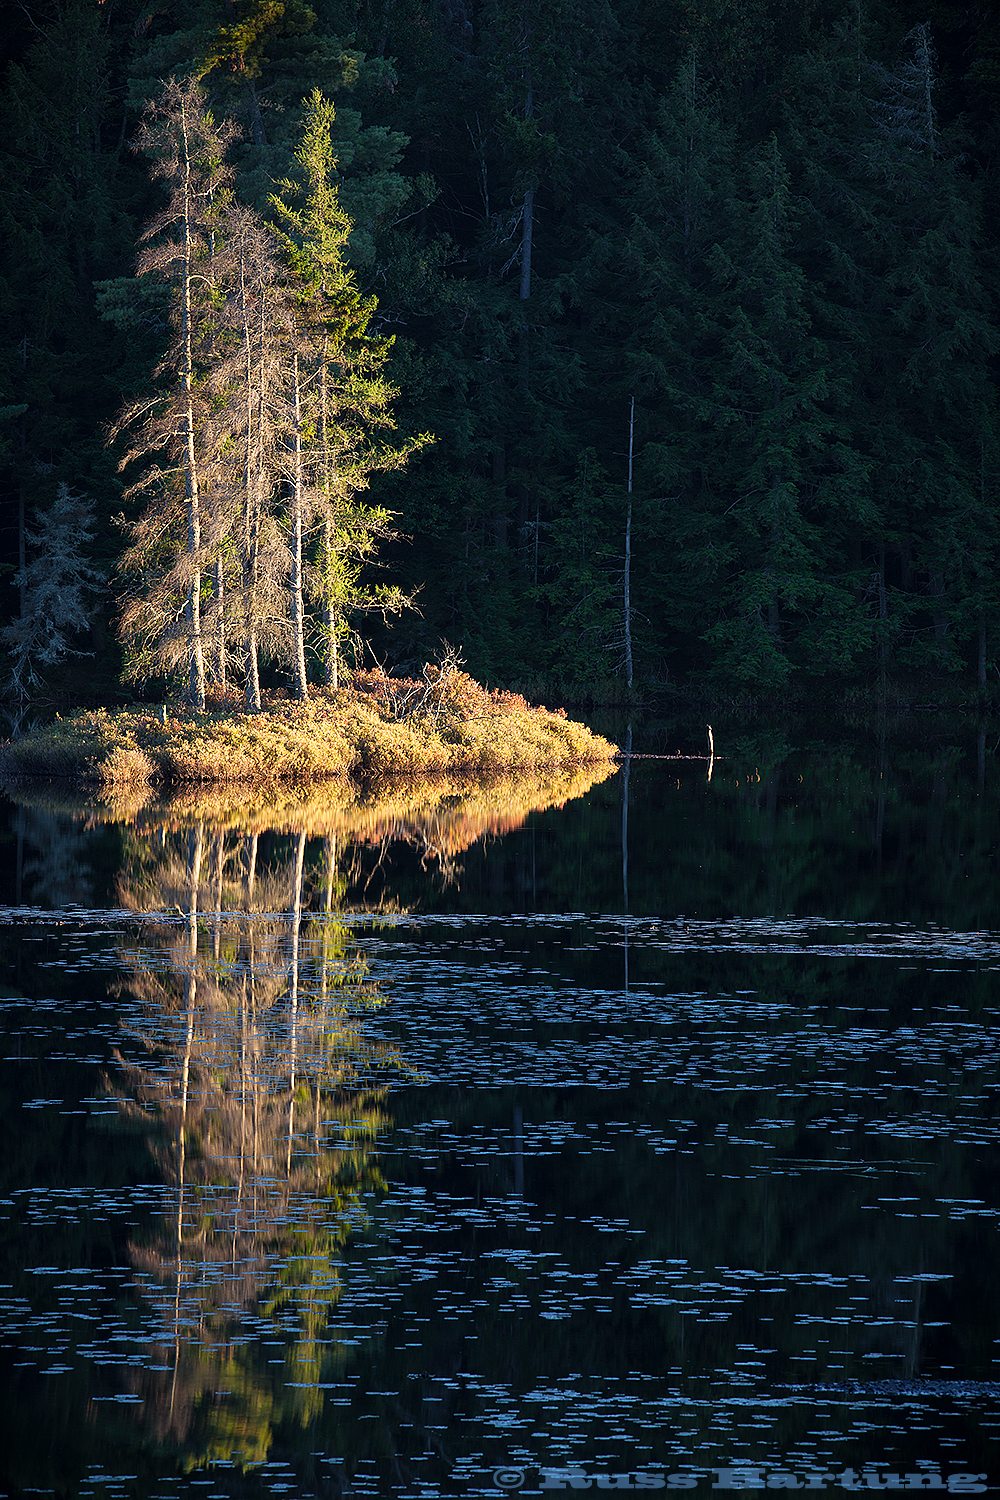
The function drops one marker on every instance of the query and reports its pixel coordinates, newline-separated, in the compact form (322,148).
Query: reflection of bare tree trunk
(231,1039)
(913,1356)
(191,991)
(939,801)
(249,876)
(190,996)
(330,871)
(330,867)
(249,869)
(518,1151)
(625,773)
(19,874)
(243,1113)
(220,859)
(880,806)
(293,987)
(330,854)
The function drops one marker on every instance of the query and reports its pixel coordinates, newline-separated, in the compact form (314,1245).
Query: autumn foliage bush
(374,725)
(442,692)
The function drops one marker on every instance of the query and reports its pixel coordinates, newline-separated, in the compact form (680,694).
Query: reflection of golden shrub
(450,811)
(448,815)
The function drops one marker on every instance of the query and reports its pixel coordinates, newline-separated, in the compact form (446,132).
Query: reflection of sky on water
(743,1213)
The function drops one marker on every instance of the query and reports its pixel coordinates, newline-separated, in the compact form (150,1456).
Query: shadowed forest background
(771,223)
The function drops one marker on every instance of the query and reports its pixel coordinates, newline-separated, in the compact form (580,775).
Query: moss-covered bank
(376,725)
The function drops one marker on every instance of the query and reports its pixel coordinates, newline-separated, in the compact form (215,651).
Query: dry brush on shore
(376,725)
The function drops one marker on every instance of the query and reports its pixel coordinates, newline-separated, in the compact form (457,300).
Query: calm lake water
(623,1133)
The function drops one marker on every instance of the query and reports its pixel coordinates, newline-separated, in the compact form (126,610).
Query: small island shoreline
(375,725)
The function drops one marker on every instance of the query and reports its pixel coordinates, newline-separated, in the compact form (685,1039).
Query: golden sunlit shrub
(375,725)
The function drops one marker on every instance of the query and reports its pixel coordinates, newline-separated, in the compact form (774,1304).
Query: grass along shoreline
(375,725)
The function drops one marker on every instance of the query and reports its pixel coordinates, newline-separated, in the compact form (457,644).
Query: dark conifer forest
(689,302)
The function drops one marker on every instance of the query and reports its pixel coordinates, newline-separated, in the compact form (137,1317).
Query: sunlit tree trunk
(219,591)
(252,461)
(331,655)
(298,505)
(177,420)
(192,608)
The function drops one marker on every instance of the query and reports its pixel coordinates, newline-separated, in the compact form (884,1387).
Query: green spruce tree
(342,396)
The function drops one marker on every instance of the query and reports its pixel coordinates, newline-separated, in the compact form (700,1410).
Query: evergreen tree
(890,233)
(256,60)
(269,420)
(348,402)
(66,206)
(247,378)
(737,421)
(498,362)
(934,449)
(771,418)
(58,586)
(558,204)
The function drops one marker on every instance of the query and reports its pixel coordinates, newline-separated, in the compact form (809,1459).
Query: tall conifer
(188,150)
(338,378)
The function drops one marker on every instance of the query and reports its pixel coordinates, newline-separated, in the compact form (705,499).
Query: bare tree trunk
(332,650)
(249,542)
(256,118)
(628,551)
(252,493)
(500,481)
(253,103)
(527,229)
(527,225)
(938,614)
(982,652)
(192,608)
(528,212)
(219,589)
(883,616)
(252,672)
(925,59)
(298,614)
(22,561)
(331,664)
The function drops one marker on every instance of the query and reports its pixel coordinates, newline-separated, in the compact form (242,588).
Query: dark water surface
(440,1150)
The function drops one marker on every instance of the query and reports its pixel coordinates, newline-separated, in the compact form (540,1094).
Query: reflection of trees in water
(439,818)
(51,859)
(259,1094)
